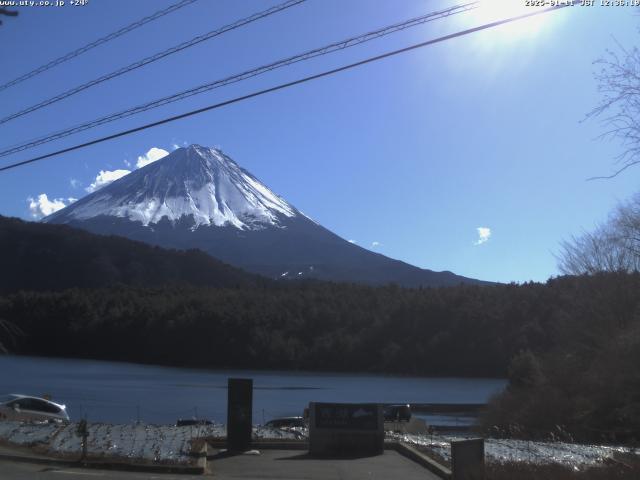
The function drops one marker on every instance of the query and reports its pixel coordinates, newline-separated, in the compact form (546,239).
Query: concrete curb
(4,457)
(198,469)
(420,458)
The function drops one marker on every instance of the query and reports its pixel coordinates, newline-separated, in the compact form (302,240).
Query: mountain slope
(197,197)
(55,257)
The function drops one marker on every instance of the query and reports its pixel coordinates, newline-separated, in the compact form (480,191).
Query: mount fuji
(198,197)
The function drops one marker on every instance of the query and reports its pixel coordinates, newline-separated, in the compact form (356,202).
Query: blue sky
(408,156)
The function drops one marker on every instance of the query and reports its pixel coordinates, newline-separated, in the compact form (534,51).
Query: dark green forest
(37,256)
(585,384)
(570,347)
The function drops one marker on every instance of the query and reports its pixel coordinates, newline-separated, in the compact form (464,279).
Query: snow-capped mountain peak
(194,181)
(214,205)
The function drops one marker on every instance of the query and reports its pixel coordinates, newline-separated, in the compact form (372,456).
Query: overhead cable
(282,86)
(153,58)
(79,51)
(341,45)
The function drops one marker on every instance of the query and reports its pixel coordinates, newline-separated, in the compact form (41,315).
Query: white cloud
(105,177)
(74,183)
(42,206)
(484,233)
(151,156)
(375,244)
(352,241)
(176,145)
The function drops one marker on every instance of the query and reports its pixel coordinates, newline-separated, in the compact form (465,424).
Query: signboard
(239,414)
(346,416)
(467,459)
(343,429)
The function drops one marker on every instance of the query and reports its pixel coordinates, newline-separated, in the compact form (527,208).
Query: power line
(341,45)
(154,58)
(100,41)
(286,85)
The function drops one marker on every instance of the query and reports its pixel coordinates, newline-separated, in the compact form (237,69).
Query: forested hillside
(570,347)
(584,383)
(465,330)
(35,256)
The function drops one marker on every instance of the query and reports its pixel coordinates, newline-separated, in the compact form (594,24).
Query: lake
(125,392)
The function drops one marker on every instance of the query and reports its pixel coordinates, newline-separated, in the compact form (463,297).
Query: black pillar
(239,414)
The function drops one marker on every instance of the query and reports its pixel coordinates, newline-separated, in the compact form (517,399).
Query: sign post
(239,414)
(467,459)
(342,429)
(83,432)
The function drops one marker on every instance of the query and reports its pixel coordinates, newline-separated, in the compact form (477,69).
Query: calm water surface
(125,392)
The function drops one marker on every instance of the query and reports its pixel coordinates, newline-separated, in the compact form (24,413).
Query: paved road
(297,465)
(270,464)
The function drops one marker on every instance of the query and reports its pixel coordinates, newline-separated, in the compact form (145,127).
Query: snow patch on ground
(26,434)
(134,442)
(171,444)
(507,450)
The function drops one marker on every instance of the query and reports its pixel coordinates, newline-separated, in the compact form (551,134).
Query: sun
(488,11)
(510,45)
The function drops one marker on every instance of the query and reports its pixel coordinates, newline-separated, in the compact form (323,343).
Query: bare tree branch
(613,246)
(11,331)
(618,80)
(615,174)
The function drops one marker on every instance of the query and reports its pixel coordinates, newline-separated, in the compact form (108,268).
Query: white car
(23,408)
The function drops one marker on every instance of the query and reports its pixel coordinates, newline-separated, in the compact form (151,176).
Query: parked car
(397,413)
(25,408)
(286,422)
(190,422)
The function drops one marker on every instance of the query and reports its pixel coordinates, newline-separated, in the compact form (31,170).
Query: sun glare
(512,44)
(492,10)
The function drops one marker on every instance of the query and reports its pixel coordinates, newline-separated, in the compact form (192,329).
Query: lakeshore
(149,444)
(120,392)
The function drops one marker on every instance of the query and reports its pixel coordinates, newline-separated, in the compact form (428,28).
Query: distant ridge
(37,256)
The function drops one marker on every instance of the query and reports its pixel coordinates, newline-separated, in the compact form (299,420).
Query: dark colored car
(286,422)
(188,422)
(397,413)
